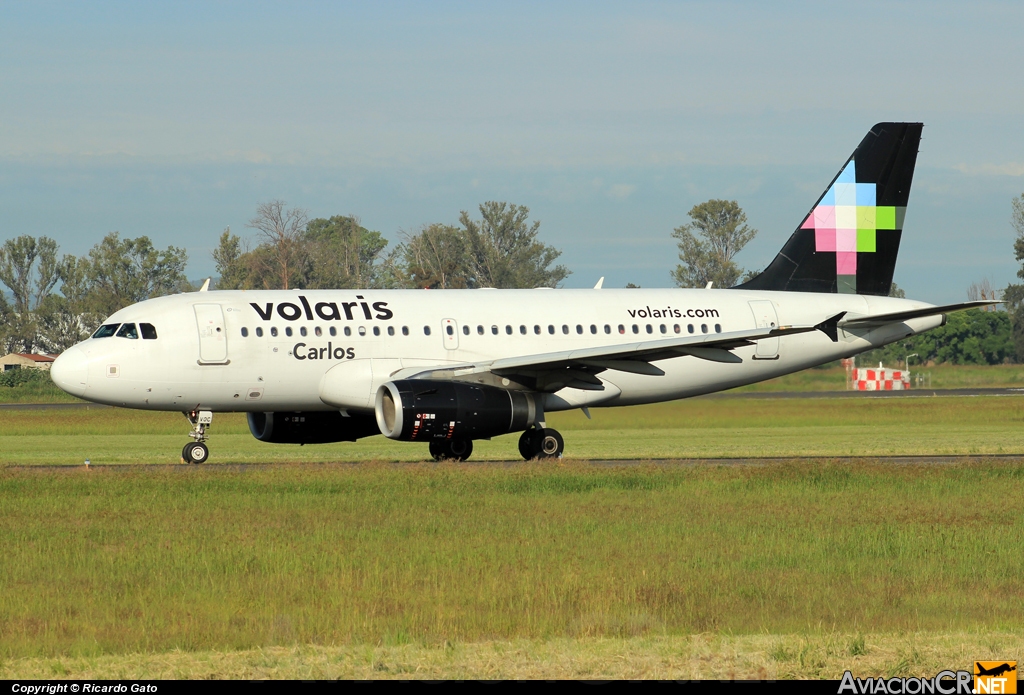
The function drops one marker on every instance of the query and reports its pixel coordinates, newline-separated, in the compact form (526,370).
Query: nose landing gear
(541,443)
(197,451)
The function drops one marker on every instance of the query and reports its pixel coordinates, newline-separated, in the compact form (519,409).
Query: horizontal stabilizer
(898,316)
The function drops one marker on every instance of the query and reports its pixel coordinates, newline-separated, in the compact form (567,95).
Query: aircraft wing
(578,368)
(856,321)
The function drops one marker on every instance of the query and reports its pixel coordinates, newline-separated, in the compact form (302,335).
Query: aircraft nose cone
(70,371)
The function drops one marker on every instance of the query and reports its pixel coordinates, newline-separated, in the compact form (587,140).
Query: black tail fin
(849,241)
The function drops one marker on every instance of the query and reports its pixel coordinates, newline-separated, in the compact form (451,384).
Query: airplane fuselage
(273,350)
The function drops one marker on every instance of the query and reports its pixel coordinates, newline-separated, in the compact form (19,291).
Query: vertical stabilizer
(849,240)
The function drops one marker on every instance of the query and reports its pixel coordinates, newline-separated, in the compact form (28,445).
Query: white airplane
(447,367)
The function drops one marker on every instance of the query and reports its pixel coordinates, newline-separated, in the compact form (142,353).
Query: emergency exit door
(213,339)
(765,317)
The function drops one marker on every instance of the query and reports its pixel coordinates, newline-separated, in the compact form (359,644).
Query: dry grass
(687,657)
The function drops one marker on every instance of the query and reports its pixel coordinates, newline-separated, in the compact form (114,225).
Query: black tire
(198,453)
(549,444)
(460,449)
(437,450)
(185,453)
(527,447)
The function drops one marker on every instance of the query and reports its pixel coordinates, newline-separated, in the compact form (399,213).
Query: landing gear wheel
(541,444)
(197,452)
(437,450)
(527,445)
(185,453)
(455,449)
(549,444)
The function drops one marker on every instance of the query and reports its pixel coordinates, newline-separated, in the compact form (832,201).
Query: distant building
(22,360)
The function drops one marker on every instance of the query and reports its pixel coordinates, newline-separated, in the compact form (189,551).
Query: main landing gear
(457,449)
(197,451)
(541,443)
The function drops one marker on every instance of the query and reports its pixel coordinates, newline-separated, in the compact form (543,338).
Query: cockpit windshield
(106,331)
(128,331)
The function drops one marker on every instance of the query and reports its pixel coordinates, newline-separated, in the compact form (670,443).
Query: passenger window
(536,329)
(703,328)
(148,331)
(106,331)
(664,329)
(579,329)
(426,330)
(332,330)
(494,330)
(449,330)
(565,329)
(622,329)
(405,330)
(245,332)
(259,332)
(318,332)
(522,330)
(348,331)
(593,329)
(288,331)
(607,328)
(391,330)
(479,330)
(677,328)
(689,327)
(362,331)
(636,328)
(650,328)
(376,330)
(302,331)
(718,328)
(465,330)
(508,330)
(128,331)
(551,329)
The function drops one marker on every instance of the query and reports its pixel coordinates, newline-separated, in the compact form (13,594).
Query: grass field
(696,428)
(307,569)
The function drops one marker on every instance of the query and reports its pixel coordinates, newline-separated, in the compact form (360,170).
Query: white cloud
(621,191)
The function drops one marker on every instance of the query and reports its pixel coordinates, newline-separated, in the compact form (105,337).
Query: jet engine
(423,410)
(313,427)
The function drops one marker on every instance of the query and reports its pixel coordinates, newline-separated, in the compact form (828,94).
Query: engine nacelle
(315,427)
(423,410)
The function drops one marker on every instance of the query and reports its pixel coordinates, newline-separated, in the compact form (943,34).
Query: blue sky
(609,120)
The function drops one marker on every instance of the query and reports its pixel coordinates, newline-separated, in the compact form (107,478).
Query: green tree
(29,267)
(232,269)
(125,271)
(969,337)
(504,251)
(716,233)
(343,254)
(437,258)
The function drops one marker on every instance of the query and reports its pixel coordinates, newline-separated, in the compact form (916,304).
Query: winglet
(600,283)
(830,326)
(206,286)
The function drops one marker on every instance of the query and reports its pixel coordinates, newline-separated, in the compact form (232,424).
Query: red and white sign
(881,380)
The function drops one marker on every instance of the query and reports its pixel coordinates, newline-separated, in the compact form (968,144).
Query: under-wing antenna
(600,283)
(206,285)
(708,287)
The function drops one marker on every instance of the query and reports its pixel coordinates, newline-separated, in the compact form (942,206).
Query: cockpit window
(106,331)
(128,331)
(148,331)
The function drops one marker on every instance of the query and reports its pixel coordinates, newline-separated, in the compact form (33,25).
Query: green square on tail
(865,240)
(885,217)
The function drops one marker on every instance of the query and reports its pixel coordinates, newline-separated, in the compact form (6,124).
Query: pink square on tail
(825,216)
(824,240)
(846,263)
(809,222)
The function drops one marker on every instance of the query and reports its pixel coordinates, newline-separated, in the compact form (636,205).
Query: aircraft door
(450,331)
(765,317)
(213,339)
